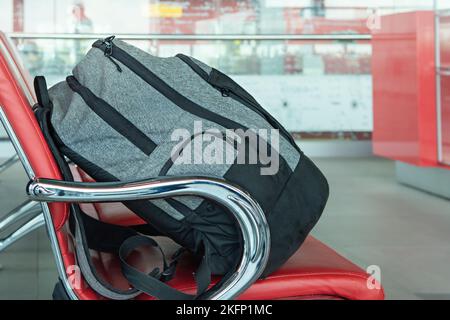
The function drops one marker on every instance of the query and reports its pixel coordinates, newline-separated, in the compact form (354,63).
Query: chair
(29,211)
(314,272)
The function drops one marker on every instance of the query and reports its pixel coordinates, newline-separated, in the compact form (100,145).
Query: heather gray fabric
(192,86)
(151,112)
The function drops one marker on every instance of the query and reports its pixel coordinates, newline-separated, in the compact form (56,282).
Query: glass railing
(200,16)
(311,83)
(307,61)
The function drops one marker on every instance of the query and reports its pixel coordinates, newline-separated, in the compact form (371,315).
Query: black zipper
(108,51)
(257,108)
(229,92)
(113,117)
(225,91)
(113,51)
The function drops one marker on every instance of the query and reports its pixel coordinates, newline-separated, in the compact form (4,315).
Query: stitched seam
(356,275)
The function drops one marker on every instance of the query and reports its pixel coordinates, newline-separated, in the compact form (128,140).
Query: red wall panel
(445,118)
(444,52)
(404,90)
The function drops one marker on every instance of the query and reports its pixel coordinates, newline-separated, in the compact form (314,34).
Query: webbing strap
(40,88)
(152,283)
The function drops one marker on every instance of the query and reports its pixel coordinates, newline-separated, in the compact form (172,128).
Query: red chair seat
(314,272)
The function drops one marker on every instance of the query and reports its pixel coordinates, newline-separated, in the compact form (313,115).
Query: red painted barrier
(404,88)
(444,53)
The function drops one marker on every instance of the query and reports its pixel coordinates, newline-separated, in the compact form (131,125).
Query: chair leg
(9,162)
(25,210)
(25,229)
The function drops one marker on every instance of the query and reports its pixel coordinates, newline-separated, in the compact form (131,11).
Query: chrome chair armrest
(248,214)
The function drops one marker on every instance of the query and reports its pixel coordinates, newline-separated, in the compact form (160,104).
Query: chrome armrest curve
(247,212)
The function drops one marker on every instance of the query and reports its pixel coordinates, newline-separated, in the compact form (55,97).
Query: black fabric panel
(215,229)
(112,117)
(218,216)
(222,239)
(264,188)
(103,236)
(180,207)
(146,229)
(296,212)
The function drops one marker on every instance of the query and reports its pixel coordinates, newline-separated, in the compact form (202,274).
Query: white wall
(107,16)
(442,4)
(6,20)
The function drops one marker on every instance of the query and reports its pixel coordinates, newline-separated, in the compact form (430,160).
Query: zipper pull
(115,63)
(108,51)
(225,92)
(108,45)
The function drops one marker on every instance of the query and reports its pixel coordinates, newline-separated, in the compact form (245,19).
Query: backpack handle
(40,88)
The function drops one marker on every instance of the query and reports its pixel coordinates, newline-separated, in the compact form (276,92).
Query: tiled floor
(27,269)
(370,219)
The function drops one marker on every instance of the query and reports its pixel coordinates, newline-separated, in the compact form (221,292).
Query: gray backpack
(126,115)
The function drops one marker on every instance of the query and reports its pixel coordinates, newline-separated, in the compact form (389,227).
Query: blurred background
(319,86)
(364,86)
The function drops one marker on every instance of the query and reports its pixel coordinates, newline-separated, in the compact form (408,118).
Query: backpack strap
(101,236)
(78,220)
(87,266)
(153,283)
(40,88)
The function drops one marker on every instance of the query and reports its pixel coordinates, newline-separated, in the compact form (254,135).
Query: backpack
(125,115)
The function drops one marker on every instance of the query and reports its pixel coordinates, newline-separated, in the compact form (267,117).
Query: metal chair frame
(28,211)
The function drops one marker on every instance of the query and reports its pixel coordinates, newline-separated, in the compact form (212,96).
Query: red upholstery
(115,213)
(315,271)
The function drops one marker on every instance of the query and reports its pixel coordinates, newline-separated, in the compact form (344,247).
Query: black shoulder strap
(79,221)
(40,88)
